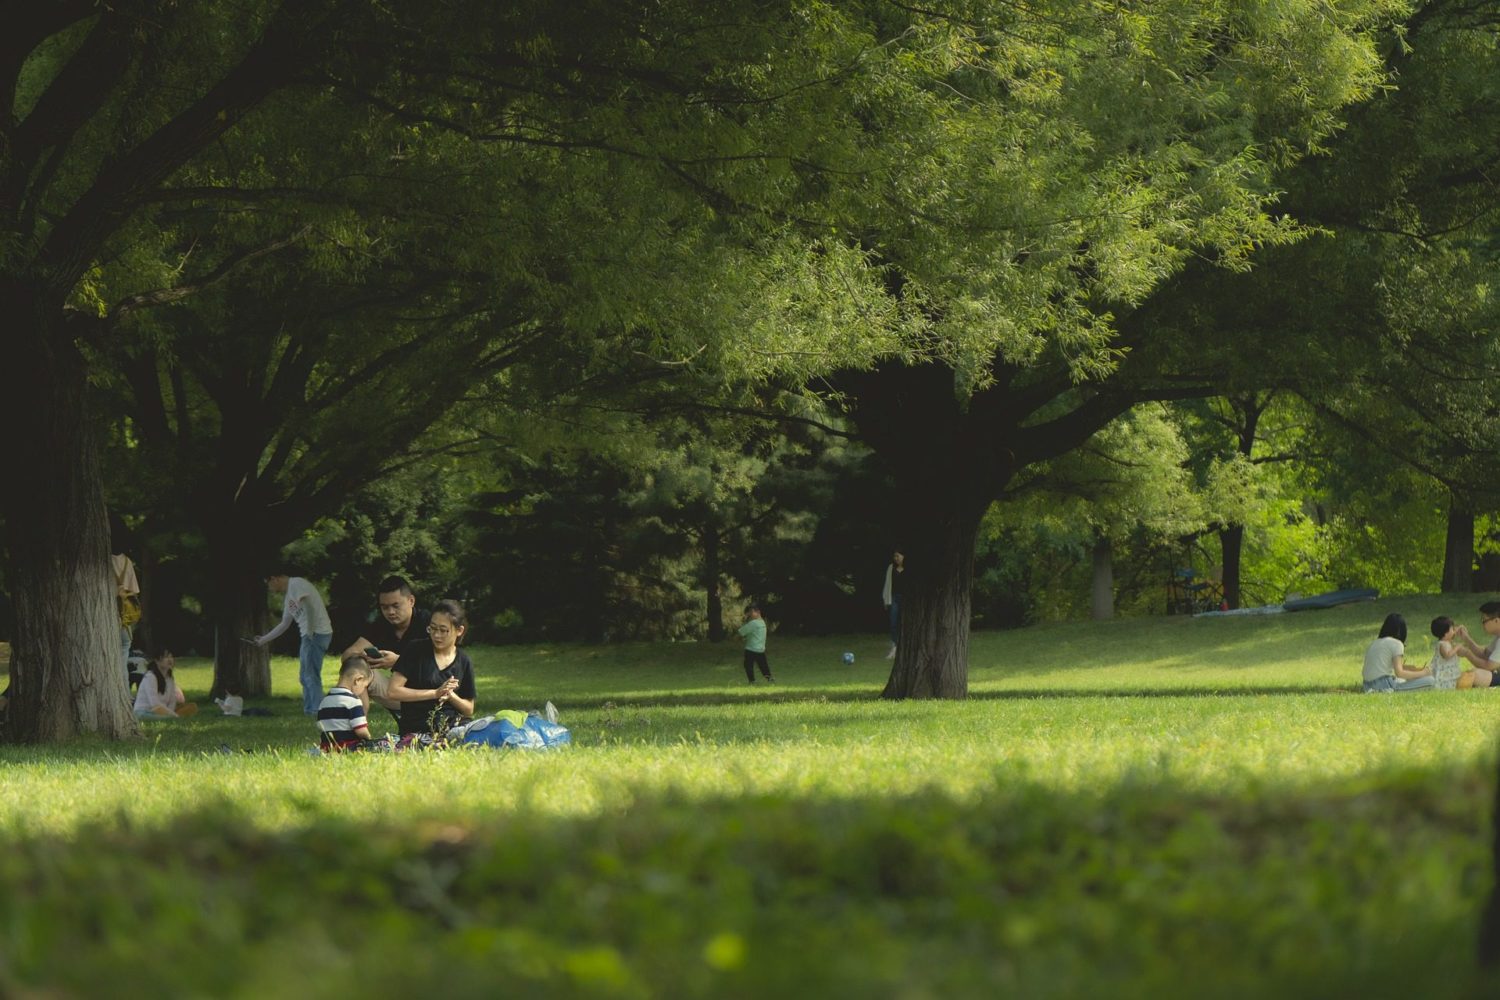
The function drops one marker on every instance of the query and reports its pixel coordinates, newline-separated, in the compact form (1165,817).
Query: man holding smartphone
(397,623)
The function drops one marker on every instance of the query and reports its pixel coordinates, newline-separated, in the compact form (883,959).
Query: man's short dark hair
(395,584)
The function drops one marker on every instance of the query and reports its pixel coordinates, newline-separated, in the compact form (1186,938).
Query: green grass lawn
(1165,807)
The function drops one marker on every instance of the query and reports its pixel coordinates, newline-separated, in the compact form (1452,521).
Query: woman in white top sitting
(1385,661)
(158,696)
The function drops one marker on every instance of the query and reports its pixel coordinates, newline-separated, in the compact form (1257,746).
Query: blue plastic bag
(535,733)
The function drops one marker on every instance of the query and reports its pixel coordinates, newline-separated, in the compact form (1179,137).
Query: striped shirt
(340,713)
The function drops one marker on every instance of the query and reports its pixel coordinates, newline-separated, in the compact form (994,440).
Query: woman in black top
(434,679)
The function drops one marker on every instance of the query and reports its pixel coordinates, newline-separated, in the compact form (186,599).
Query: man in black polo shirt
(398,623)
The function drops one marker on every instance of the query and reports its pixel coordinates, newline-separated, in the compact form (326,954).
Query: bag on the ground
(516,729)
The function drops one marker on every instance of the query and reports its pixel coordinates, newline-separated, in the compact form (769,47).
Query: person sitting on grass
(1385,661)
(398,623)
(1488,658)
(1448,673)
(341,714)
(754,634)
(434,679)
(158,696)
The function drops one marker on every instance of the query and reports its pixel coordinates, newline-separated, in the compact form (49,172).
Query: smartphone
(373,652)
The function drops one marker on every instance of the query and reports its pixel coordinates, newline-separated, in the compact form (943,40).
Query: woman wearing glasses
(433,679)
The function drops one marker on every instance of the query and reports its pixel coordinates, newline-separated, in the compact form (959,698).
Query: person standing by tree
(398,623)
(304,605)
(127,588)
(895,575)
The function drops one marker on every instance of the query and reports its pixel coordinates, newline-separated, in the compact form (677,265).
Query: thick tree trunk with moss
(68,674)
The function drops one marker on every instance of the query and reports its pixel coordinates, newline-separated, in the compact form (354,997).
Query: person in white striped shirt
(341,713)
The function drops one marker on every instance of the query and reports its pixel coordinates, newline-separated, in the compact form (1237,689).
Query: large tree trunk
(715,609)
(68,677)
(932,655)
(950,453)
(1458,550)
(947,463)
(239,611)
(1102,603)
(1231,545)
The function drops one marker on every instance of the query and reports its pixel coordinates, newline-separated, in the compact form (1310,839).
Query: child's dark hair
(1490,609)
(752,607)
(1394,627)
(1440,625)
(355,667)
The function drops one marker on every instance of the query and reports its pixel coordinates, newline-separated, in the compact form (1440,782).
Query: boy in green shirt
(754,633)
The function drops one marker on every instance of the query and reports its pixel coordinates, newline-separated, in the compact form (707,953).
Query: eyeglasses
(439,630)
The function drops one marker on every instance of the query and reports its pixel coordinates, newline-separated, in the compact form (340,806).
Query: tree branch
(163,296)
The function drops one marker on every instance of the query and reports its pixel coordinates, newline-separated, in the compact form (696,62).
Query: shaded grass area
(1138,892)
(1172,807)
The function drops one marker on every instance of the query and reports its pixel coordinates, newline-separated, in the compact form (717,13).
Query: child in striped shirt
(341,713)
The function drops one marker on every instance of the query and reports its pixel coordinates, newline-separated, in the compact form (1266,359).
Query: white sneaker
(892,654)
